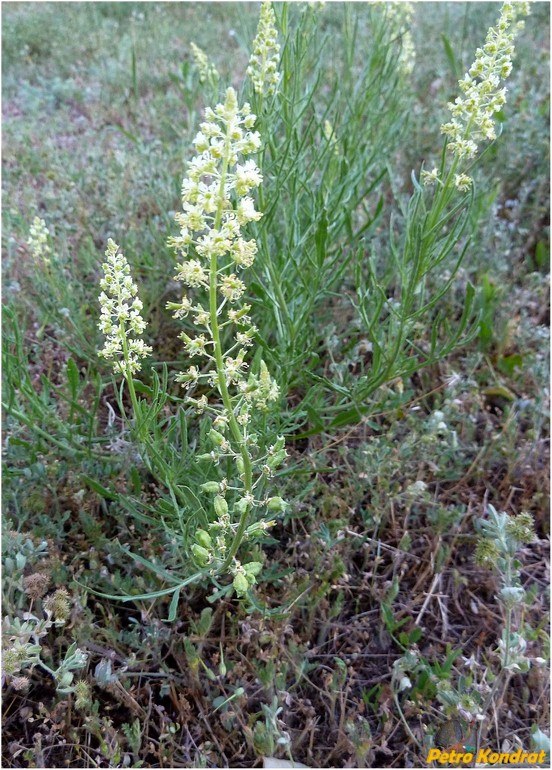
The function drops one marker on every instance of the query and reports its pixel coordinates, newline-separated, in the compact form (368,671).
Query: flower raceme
(473,114)
(207,71)
(216,206)
(38,241)
(120,318)
(263,64)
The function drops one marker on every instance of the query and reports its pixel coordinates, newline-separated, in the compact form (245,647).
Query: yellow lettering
(542,757)
(467,757)
(523,757)
(515,757)
(444,758)
(494,757)
(533,758)
(483,756)
(505,758)
(433,755)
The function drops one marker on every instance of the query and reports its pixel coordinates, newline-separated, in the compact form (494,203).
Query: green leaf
(321,237)
(151,566)
(507,364)
(141,388)
(136,482)
(72,377)
(141,597)
(541,255)
(449,53)
(101,490)
(173,606)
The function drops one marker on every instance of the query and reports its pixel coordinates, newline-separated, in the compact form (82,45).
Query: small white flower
(38,241)
(119,320)
(430,177)
(473,113)
(263,64)
(207,70)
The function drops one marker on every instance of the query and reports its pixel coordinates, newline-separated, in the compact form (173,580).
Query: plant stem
(221,379)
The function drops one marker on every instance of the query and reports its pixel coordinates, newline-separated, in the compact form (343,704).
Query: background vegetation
(373,561)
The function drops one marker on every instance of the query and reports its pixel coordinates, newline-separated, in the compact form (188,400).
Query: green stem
(130,382)
(219,364)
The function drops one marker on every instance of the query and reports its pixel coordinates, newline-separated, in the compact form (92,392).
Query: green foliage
(404,326)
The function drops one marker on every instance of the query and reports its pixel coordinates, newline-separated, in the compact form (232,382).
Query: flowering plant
(216,206)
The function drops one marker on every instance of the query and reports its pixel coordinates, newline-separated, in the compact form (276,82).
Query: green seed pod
(279,445)
(216,437)
(241,506)
(221,506)
(210,486)
(240,584)
(240,465)
(242,311)
(201,554)
(204,539)
(276,459)
(253,568)
(276,504)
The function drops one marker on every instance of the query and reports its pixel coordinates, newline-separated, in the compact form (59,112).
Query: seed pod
(210,486)
(275,460)
(221,506)
(253,568)
(240,584)
(204,539)
(201,554)
(241,505)
(276,504)
(216,437)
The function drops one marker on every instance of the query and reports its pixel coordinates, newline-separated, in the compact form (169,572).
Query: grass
(371,610)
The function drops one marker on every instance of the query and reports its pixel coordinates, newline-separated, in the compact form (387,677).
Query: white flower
(231,287)
(430,177)
(473,113)
(462,182)
(120,315)
(246,211)
(207,70)
(192,273)
(263,64)
(247,177)
(38,241)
